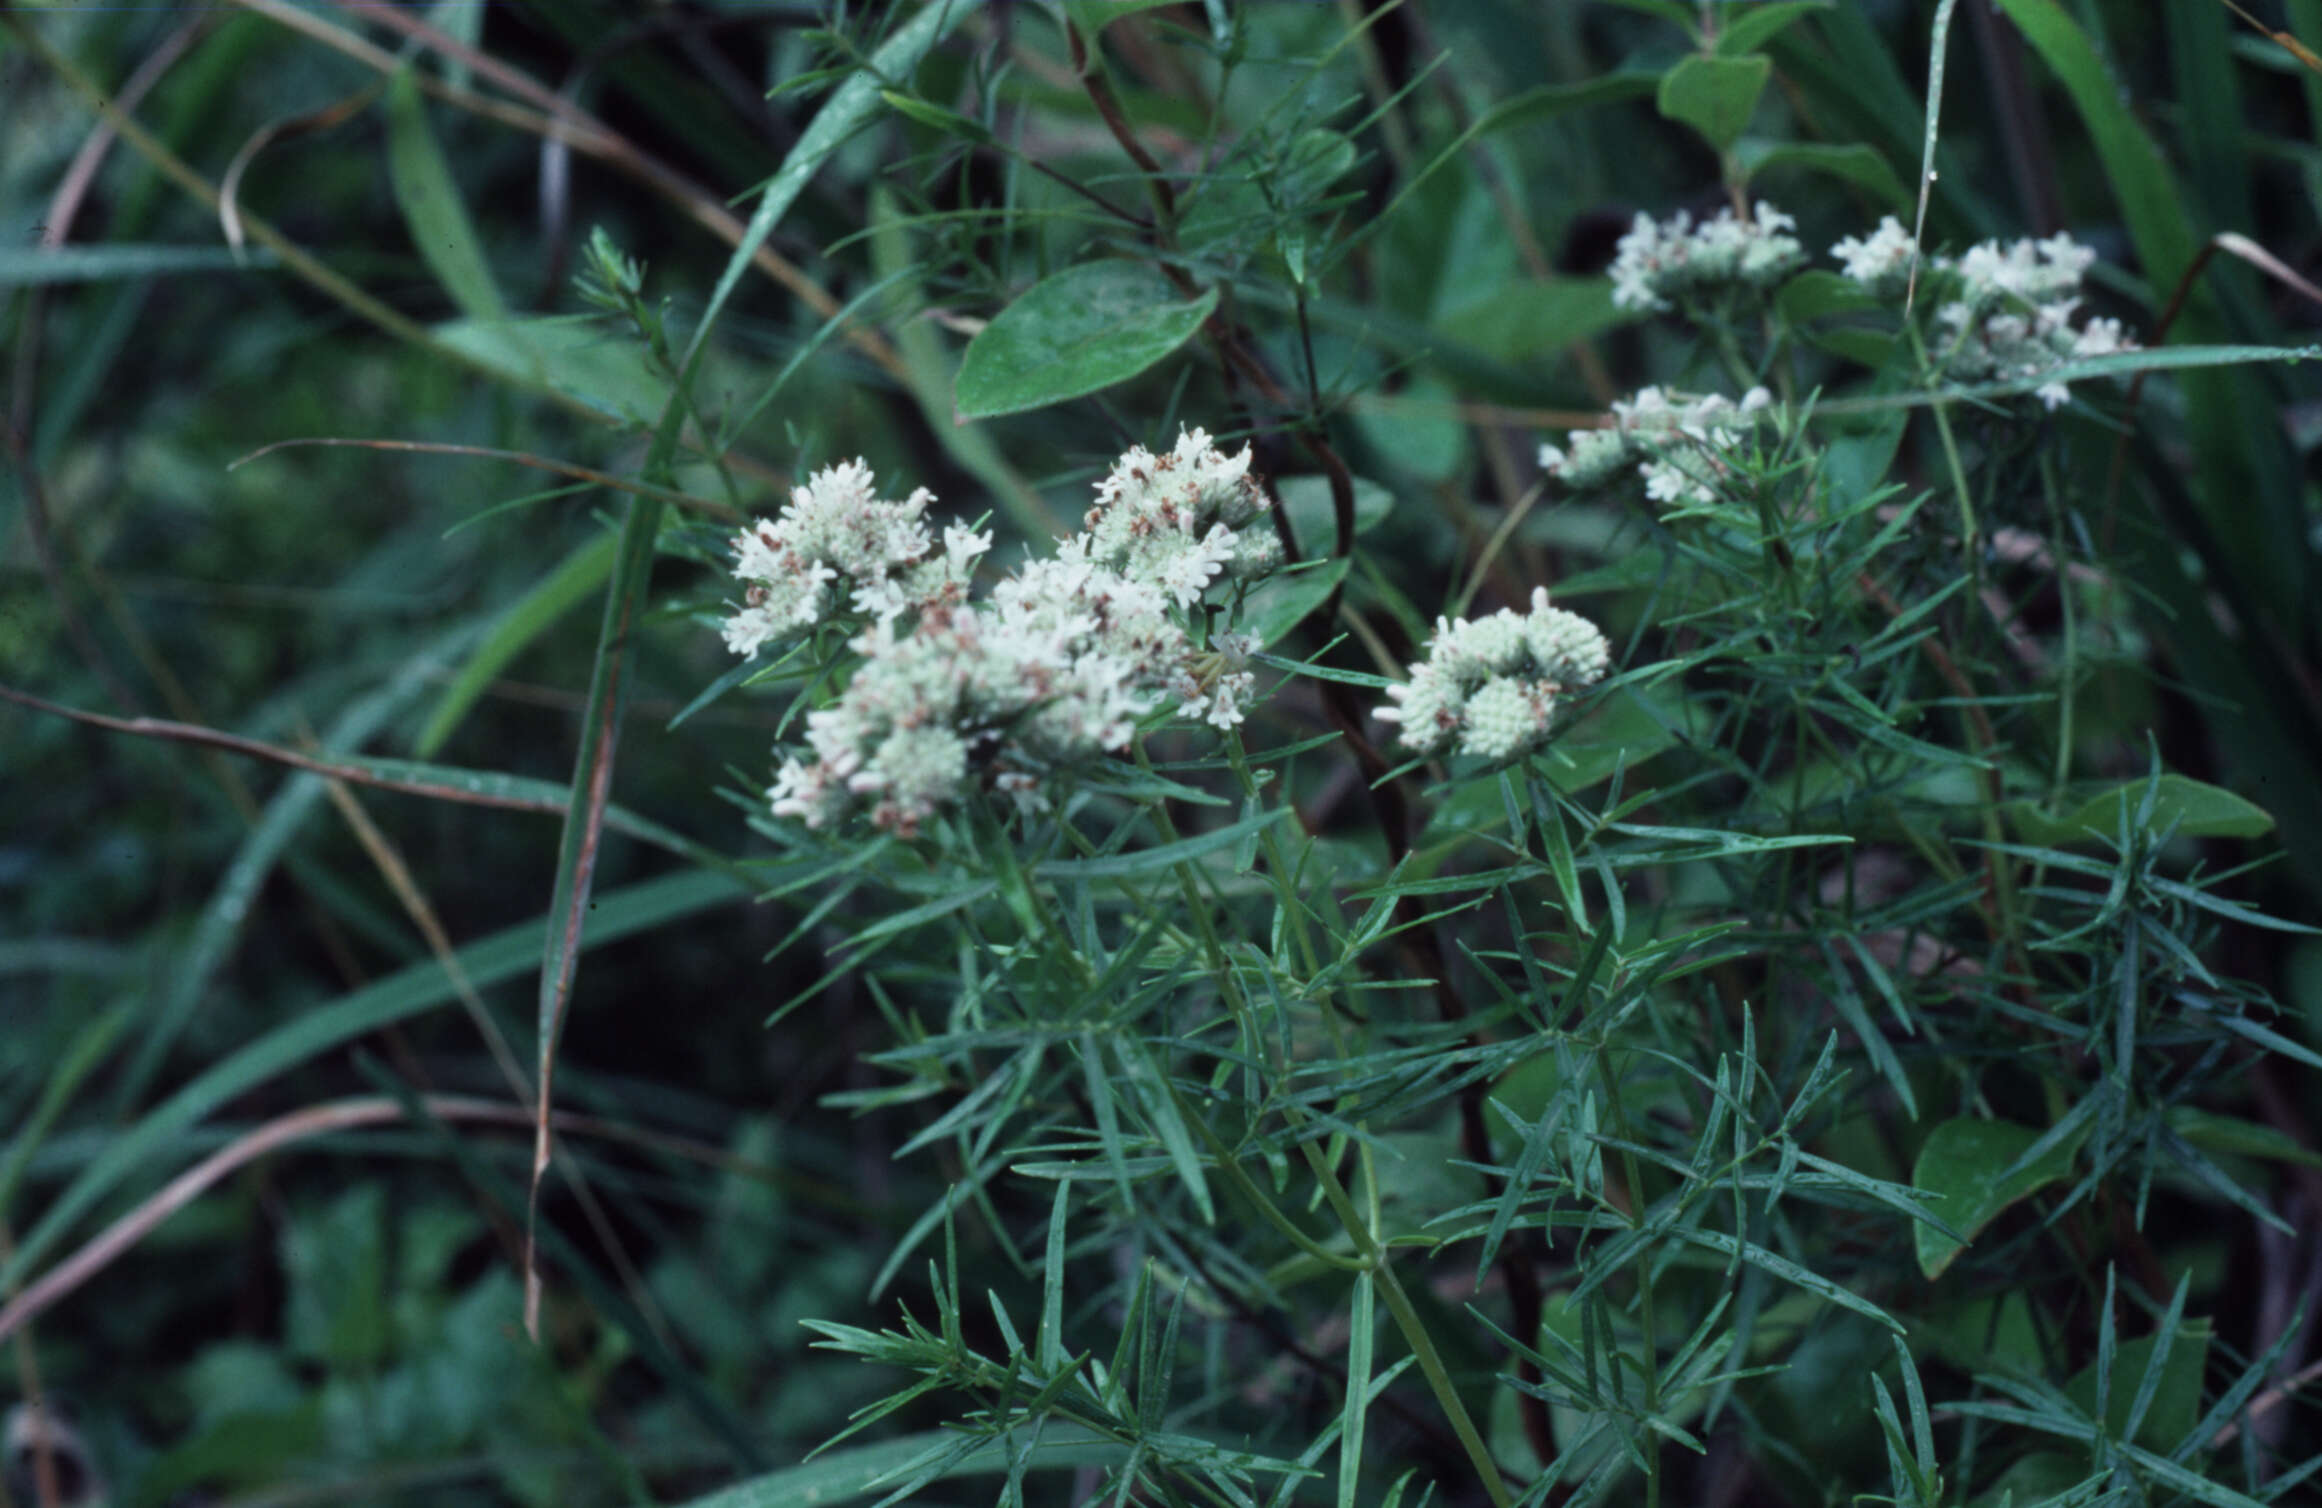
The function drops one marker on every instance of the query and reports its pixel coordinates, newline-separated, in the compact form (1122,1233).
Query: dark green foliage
(1869,1054)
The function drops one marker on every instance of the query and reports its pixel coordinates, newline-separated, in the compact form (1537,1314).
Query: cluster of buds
(1489,687)
(2008,307)
(1660,264)
(1054,667)
(1679,444)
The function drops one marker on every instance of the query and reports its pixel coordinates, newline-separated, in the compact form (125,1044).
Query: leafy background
(1411,215)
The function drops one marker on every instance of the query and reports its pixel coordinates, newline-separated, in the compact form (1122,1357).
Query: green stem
(1651,1370)
(1439,1381)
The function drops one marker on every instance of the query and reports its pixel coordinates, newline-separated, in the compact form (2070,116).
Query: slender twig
(235,743)
(109,1245)
(709,506)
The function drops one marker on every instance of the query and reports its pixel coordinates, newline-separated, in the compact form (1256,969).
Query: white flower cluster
(1055,666)
(1880,261)
(2013,316)
(836,536)
(1679,444)
(2011,313)
(1663,263)
(1489,686)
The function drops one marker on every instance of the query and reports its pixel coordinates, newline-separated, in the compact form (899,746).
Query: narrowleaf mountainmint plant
(1735,967)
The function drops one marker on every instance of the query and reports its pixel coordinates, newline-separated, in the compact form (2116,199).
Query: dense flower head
(1489,686)
(1880,261)
(1663,263)
(1053,667)
(1678,443)
(2007,307)
(1176,519)
(2011,316)
(839,546)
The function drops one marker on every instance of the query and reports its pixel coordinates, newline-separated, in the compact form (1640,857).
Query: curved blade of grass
(431,204)
(592,789)
(526,619)
(221,920)
(88,1049)
(407,993)
(854,102)
(2249,496)
(1938,47)
(22,265)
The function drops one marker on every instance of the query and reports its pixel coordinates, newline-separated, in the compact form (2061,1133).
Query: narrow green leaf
(1361,1320)
(2212,1132)
(526,619)
(398,997)
(1857,162)
(1051,1338)
(1749,27)
(1548,101)
(1788,1271)
(23,266)
(1165,856)
(1072,334)
(62,1077)
(850,105)
(1159,1100)
(431,204)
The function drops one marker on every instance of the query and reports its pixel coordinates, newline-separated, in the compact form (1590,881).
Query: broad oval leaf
(1715,96)
(1086,328)
(1283,603)
(1961,1171)
(2193,808)
(1313,517)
